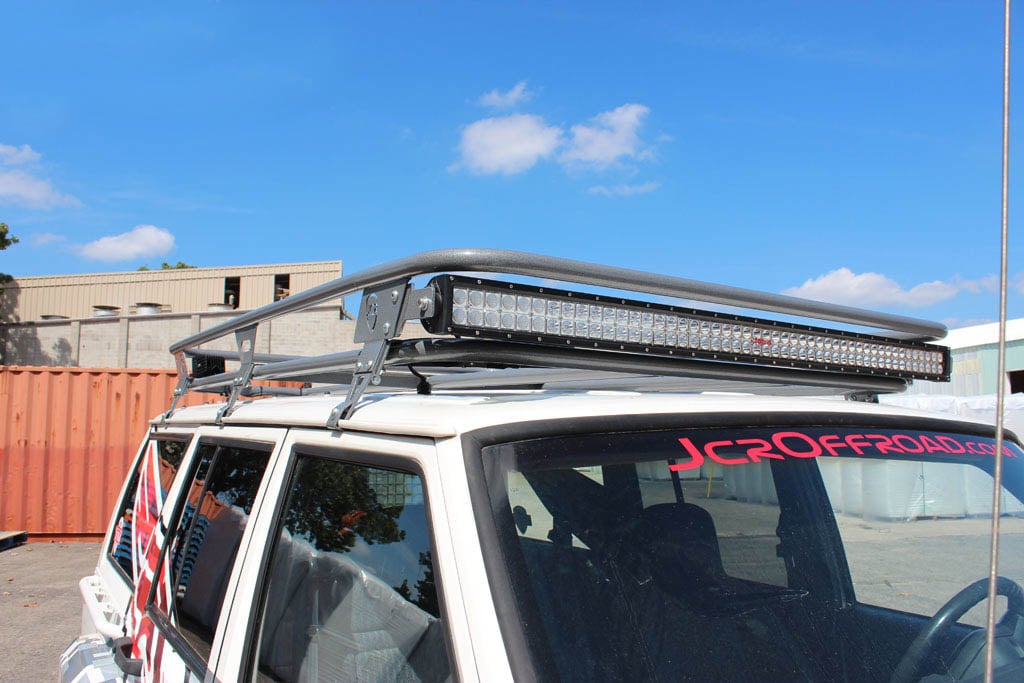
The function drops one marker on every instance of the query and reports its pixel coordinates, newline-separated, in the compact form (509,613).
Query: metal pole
(997,474)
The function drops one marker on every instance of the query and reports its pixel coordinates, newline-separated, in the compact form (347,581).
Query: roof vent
(105,311)
(147,308)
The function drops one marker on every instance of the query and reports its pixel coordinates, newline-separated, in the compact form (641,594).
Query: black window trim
(397,463)
(133,485)
(193,660)
(519,653)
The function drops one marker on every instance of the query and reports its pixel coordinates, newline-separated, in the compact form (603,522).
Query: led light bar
(472,307)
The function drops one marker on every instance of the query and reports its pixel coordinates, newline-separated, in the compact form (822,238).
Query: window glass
(216,509)
(727,554)
(350,592)
(613,551)
(938,515)
(143,501)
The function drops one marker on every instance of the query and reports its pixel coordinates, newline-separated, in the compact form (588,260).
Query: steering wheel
(908,670)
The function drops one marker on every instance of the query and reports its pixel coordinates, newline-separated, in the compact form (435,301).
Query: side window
(938,515)
(350,591)
(738,526)
(223,488)
(143,501)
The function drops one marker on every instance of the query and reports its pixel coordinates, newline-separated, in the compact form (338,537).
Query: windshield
(788,553)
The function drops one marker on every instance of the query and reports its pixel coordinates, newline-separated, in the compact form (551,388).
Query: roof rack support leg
(184,382)
(246,340)
(380,320)
(367,372)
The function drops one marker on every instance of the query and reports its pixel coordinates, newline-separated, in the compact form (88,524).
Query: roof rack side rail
(568,270)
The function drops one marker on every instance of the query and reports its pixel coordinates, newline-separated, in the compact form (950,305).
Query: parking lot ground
(40,607)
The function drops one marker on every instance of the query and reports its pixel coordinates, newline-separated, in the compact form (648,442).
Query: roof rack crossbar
(568,270)
(492,329)
(601,365)
(437,351)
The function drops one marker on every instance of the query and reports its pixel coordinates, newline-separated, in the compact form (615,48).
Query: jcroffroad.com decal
(789,444)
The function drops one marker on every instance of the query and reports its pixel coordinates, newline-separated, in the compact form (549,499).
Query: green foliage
(167,266)
(6,240)
(333,504)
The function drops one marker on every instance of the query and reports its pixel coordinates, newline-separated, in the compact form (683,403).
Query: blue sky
(847,151)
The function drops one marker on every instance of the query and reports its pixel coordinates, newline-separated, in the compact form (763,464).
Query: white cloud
(843,286)
(507,144)
(988,283)
(15,156)
(41,239)
(142,241)
(954,323)
(25,189)
(609,137)
(509,98)
(22,188)
(624,190)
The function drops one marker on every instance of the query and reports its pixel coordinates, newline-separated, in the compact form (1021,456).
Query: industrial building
(175,290)
(128,320)
(975,361)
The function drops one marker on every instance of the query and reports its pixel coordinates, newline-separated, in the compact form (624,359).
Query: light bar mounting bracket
(381,318)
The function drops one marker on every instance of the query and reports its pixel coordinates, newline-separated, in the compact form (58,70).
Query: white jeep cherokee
(562,486)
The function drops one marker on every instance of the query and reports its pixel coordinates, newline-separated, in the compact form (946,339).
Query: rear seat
(331,619)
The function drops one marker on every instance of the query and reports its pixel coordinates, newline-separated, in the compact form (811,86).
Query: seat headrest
(681,538)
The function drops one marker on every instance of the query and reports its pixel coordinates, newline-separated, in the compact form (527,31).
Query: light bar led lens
(499,310)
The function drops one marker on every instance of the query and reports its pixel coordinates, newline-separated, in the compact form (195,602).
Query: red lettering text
(759,448)
(831,442)
(709,449)
(931,445)
(779,439)
(696,455)
(951,444)
(858,443)
(884,444)
(902,440)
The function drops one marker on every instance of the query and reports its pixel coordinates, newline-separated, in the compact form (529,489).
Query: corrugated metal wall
(183,291)
(67,438)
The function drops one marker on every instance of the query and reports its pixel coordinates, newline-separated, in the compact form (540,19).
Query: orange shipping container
(67,439)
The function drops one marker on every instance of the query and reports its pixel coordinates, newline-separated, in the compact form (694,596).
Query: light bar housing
(490,309)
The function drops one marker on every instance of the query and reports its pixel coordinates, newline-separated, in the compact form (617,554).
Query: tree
(167,266)
(6,240)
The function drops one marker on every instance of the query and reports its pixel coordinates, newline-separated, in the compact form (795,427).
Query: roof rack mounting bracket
(184,382)
(245,338)
(381,318)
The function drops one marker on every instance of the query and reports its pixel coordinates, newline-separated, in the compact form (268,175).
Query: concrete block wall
(142,341)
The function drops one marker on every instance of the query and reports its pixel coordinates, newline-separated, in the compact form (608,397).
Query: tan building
(130,319)
(186,290)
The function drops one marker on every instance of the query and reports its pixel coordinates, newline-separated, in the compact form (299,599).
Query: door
(341,577)
(190,562)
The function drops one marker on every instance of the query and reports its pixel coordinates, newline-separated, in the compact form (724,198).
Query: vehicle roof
(444,414)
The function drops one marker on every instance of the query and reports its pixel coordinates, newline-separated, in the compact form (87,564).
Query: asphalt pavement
(40,607)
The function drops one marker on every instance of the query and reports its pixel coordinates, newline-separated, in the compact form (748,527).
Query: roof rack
(500,333)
